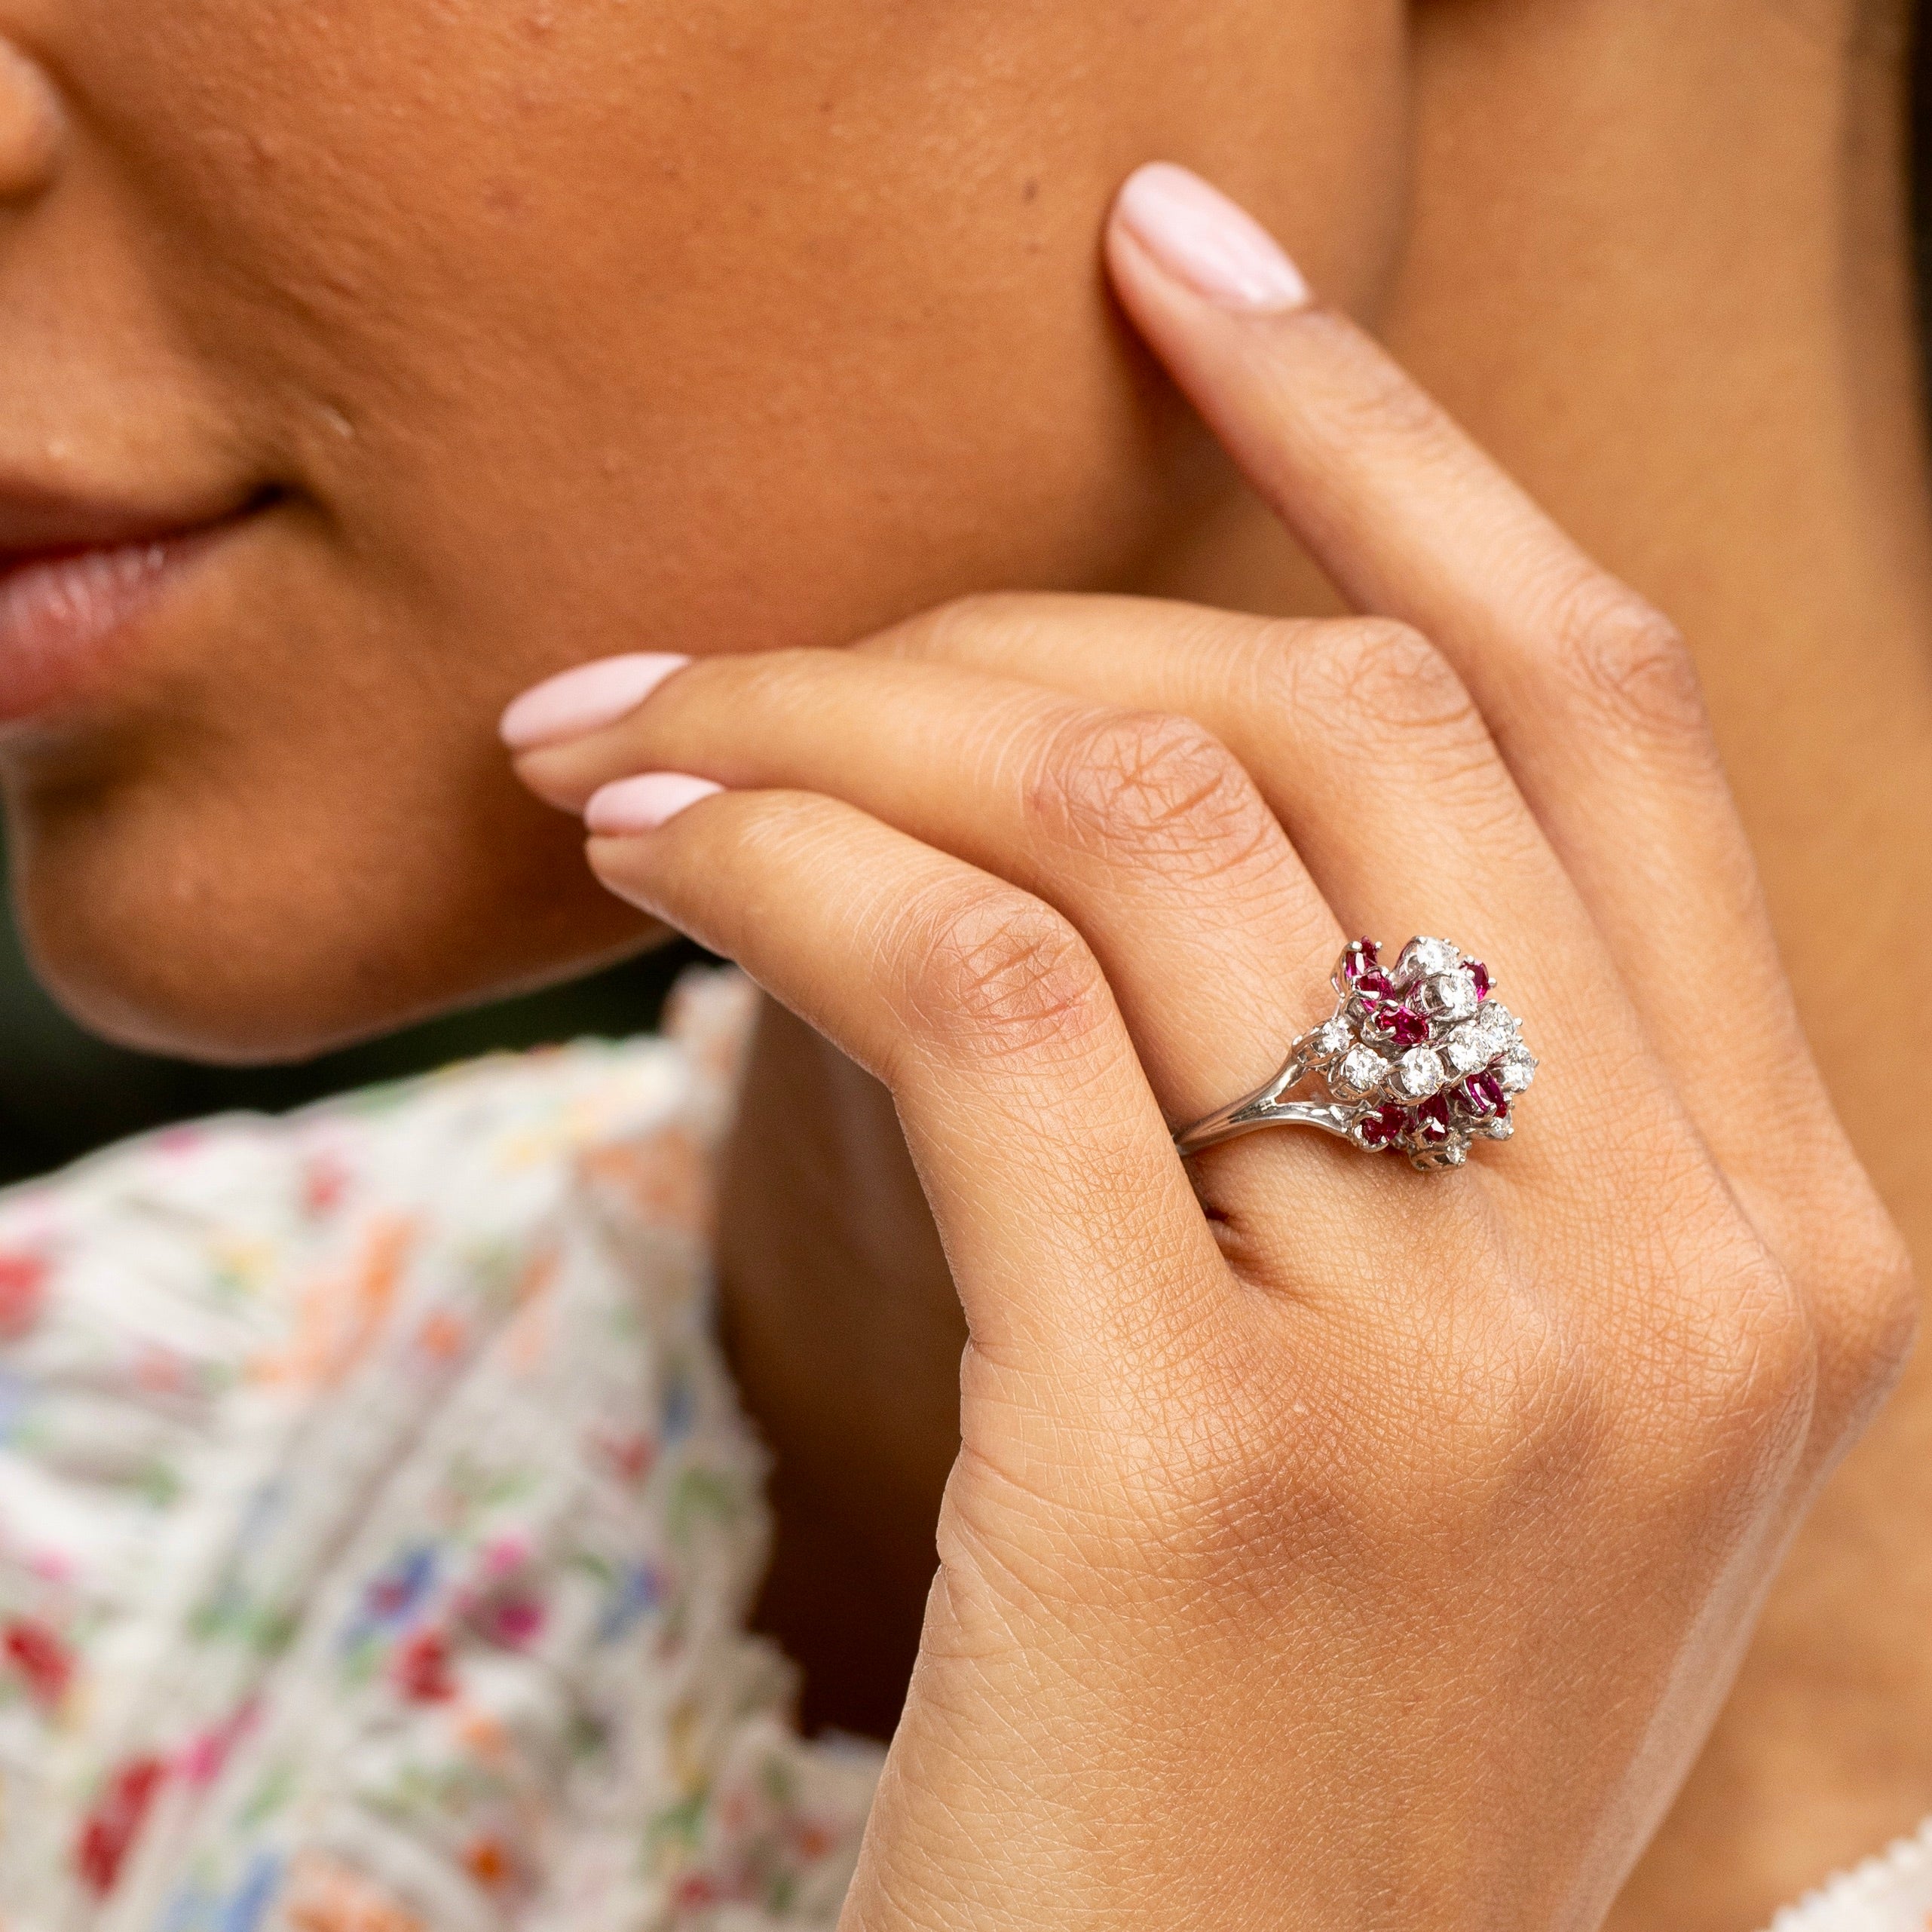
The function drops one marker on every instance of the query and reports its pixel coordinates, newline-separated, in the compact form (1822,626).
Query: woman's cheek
(566,332)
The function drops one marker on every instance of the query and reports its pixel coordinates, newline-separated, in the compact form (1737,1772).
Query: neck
(1679,307)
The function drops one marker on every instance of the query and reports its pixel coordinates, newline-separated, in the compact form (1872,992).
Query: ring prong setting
(1419,1059)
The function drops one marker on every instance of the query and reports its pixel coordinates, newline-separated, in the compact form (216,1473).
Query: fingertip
(644,802)
(1196,235)
(534,773)
(587,698)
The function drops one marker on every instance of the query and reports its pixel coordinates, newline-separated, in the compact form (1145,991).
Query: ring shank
(1250,1115)
(1264,1107)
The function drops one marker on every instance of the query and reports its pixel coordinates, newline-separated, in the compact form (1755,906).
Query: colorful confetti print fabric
(377,1525)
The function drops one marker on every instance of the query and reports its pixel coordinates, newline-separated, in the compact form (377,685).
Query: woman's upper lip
(37,523)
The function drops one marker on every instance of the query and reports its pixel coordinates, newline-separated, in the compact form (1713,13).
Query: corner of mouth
(38,530)
(67,607)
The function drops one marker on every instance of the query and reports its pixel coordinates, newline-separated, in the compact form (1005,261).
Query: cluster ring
(1418,1058)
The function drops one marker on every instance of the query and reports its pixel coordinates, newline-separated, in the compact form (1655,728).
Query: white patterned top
(378,1525)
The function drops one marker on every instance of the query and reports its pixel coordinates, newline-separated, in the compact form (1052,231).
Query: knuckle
(1697,1396)
(1148,782)
(989,970)
(1385,679)
(1700,1414)
(1724,1392)
(1889,1285)
(1772,1367)
(1519,1408)
(1486,1411)
(1630,662)
(1874,1312)
(1857,1275)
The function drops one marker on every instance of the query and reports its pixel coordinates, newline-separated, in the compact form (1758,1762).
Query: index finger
(1590,695)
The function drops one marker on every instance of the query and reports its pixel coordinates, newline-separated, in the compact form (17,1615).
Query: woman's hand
(1331,1545)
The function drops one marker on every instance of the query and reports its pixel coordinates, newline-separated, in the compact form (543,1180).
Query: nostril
(32,126)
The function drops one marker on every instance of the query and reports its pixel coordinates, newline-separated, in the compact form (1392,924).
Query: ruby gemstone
(1361,955)
(1383,1128)
(1372,988)
(1483,1095)
(1405,1027)
(1432,1121)
(1480,974)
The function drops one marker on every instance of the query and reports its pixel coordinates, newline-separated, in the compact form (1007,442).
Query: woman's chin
(227,949)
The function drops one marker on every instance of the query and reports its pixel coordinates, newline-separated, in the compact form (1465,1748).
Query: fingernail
(643,803)
(1201,237)
(585,699)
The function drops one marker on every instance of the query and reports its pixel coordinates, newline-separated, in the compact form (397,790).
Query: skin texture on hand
(1382,1547)
(544,323)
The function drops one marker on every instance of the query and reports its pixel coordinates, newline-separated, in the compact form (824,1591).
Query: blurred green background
(62,1092)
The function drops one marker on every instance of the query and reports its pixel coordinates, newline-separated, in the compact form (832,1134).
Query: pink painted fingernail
(585,699)
(1201,237)
(643,803)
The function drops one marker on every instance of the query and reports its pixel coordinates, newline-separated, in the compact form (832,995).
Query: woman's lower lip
(63,613)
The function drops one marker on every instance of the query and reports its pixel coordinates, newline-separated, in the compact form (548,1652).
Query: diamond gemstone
(1448,995)
(1362,1070)
(1496,1027)
(1329,1041)
(1419,1072)
(1516,1069)
(1466,1050)
(1427,958)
